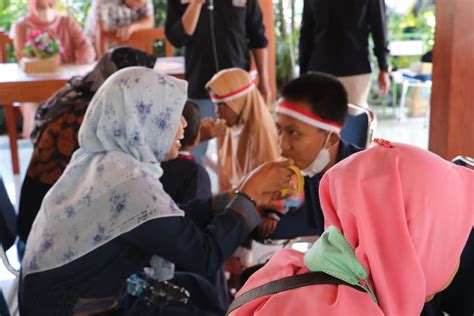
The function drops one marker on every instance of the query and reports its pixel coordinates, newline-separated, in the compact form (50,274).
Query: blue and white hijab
(111,185)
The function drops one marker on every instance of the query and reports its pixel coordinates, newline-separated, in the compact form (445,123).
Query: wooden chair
(5,41)
(10,110)
(143,40)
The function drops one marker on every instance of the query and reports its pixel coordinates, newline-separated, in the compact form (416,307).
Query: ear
(198,138)
(334,139)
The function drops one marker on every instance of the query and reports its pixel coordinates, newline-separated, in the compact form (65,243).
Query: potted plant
(42,53)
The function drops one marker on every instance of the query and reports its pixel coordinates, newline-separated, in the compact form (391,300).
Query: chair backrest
(359,127)
(4,311)
(7,218)
(464,161)
(5,41)
(143,40)
(7,227)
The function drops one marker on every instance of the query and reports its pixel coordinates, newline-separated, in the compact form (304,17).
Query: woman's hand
(265,182)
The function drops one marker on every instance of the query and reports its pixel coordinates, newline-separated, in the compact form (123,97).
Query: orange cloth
(254,138)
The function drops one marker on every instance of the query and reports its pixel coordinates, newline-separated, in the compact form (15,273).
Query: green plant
(416,24)
(10,11)
(287,35)
(160,12)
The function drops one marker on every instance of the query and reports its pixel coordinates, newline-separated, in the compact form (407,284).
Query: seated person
(397,219)
(457,298)
(183,178)
(251,137)
(124,17)
(42,16)
(108,214)
(76,46)
(186,180)
(309,119)
(56,127)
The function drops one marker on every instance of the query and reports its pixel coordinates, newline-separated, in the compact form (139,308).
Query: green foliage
(286,35)
(78,9)
(412,26)
(10,11)
(160,12)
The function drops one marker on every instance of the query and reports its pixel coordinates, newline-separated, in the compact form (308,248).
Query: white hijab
(111,185)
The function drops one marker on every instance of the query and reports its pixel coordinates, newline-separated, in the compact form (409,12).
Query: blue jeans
(207,108)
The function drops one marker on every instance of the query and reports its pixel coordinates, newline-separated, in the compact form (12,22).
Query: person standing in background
(335,40)
(217,36)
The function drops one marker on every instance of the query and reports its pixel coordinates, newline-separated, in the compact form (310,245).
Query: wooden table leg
(13,137)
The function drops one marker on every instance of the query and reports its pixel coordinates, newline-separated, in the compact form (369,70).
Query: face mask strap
(326,142)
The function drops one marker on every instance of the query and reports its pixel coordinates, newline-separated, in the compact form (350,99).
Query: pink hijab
(76,47)
(407,214)
(33,16)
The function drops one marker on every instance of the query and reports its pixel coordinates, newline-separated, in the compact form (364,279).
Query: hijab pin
(382,142)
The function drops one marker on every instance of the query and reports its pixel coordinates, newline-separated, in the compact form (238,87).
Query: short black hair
(192,114)
(325,93)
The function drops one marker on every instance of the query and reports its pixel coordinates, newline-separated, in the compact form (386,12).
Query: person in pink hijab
(397,219)
(77,48)
(43,17)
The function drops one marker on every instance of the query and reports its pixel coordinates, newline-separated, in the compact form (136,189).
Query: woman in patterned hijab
(56,126)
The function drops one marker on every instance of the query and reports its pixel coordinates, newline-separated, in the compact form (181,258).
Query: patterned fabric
(111,185)
(59,118)
(114,14)
(55,146)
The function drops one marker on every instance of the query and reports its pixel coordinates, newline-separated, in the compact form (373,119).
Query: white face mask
(321,161)
(47,15)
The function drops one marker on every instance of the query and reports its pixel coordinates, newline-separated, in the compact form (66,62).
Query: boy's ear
(334,139)
(198,138)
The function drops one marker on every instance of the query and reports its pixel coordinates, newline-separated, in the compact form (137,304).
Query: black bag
(288,283)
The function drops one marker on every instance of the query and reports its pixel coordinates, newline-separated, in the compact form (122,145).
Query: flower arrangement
(41,45)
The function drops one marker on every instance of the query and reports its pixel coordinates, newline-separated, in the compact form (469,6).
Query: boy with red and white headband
(309,119)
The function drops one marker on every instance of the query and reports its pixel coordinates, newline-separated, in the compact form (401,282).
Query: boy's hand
(267,227)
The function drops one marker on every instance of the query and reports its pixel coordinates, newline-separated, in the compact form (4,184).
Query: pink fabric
(77,47)
(32,9)
(406,212)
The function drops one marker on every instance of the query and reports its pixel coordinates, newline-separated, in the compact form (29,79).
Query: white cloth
(111,185)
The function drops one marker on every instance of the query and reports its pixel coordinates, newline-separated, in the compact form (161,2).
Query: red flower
(34,34)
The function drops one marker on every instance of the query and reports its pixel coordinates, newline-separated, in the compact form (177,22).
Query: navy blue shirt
(185,180)
(312,205)
(198,243)
(309,219)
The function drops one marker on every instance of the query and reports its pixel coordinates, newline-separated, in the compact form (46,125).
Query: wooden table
(16,86)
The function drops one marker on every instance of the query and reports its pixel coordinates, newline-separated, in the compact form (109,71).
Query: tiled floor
(412,131)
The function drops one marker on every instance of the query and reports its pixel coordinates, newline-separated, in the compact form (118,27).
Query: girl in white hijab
(108,213)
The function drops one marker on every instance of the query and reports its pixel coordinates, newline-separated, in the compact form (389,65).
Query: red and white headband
(307,117)
(235,94)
